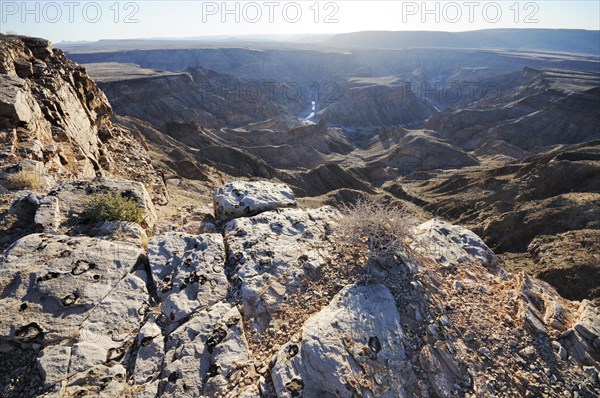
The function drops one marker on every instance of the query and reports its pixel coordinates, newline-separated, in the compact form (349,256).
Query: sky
(94,20)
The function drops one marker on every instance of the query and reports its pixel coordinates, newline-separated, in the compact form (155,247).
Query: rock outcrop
(352,343)
(276,305)
(55,122)
(272,255)
(61,210)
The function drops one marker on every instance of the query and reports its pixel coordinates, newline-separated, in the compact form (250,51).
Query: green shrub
(112,207)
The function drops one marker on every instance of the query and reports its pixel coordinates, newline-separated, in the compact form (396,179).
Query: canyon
(243,160)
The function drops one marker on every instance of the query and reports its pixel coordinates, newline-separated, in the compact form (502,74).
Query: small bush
(112,207)
(24,180)
(381,231)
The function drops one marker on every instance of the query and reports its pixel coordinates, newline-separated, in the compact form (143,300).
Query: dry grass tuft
(24,180)
(382,232)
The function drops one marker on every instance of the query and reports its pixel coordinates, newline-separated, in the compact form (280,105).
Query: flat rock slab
(358,334)
(204,354)
(54,281)
(270,254)
(188,271)
(244,199)
(77,299)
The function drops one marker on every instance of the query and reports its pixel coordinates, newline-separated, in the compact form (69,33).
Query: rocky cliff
(55,122)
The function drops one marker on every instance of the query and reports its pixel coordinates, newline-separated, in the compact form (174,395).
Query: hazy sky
(94,20)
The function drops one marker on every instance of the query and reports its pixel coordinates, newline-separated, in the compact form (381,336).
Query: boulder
(73,195)
(353,347)
(452,244)
(123,231)
(244,199)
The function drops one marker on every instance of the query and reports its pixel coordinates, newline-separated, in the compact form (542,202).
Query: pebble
(469,336)
(562,353)
(458,286)
(444,320)
(484,351)
(527,351)
(418,316)
(591,372)
(432,330)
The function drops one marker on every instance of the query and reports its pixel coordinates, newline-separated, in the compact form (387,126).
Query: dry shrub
(382,231)
(24,180)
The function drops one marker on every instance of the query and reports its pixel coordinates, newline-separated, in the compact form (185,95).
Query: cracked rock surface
(275,306)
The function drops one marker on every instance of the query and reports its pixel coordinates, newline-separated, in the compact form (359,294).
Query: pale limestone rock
(203,352)
(58,279)
(120,231)
(272,252)
(149,359)
(451,244)
(47,215)
(243,199)
(79,294)
(188,272)
(360,328)
(53,363)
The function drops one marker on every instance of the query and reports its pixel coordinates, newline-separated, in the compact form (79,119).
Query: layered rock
(374,102)
(539,214)
(531,110)
(54,122)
